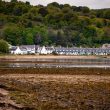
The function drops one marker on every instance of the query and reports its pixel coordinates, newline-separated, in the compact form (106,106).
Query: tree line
(55,24)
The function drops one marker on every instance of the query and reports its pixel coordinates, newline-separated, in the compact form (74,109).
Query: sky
(93,4)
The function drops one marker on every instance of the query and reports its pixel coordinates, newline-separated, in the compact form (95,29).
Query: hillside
(54,24)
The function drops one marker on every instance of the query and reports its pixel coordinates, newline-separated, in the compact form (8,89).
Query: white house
(23,49)
(106,46)
(31,49)
(82,51)
(15,50)
(44,50)
(50,50)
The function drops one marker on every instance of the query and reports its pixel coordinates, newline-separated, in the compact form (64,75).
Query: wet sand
(57,78)
(49,57)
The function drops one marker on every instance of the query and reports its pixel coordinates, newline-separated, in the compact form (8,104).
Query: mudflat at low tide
(55,88)
(55,91)
(48,87)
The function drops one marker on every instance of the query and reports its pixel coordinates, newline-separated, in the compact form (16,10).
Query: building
(34,49)
(23,49)
(15,50)
(44,50)
(50,50)
(82,51)
(106,46)
(31,49)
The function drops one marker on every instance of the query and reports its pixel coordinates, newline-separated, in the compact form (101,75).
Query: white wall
(43,50)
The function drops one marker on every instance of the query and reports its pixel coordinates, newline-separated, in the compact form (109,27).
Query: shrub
(4,47)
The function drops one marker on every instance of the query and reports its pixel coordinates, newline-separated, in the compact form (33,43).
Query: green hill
(54,24)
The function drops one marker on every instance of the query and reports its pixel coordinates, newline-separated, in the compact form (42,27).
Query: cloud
(94,4)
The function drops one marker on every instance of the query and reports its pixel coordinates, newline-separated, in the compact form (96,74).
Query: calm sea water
(55,63)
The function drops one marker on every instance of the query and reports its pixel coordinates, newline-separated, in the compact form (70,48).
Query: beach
(54,88)
(50,57)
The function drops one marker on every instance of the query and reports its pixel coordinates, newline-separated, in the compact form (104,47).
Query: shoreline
(50,57)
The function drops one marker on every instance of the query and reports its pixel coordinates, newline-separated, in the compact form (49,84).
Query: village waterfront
(40,82)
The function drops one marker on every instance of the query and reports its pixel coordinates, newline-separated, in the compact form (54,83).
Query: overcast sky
(93,4)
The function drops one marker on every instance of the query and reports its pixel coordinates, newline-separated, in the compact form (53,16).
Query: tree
(85,10)
(37,39)
(20,9)
(29,39)
(43,11)
(13,0)
(4,48)
(107,14)
(13,34)
(54,4)
(28,3)
(42,32)
(90,31)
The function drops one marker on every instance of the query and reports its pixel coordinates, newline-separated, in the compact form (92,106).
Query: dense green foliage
(4,48)
(54,24)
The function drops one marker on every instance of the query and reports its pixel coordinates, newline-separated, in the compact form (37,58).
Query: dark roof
(82,49)
(27,46)
(23,48)
(49,48)
(13,48)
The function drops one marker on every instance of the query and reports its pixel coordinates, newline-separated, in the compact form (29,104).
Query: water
(55,63)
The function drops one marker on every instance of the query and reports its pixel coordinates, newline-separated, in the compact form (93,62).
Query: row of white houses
(24,49)
(31,49)
(83,51)
(34,49)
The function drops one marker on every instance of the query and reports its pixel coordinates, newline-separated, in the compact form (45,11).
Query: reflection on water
(56,63)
